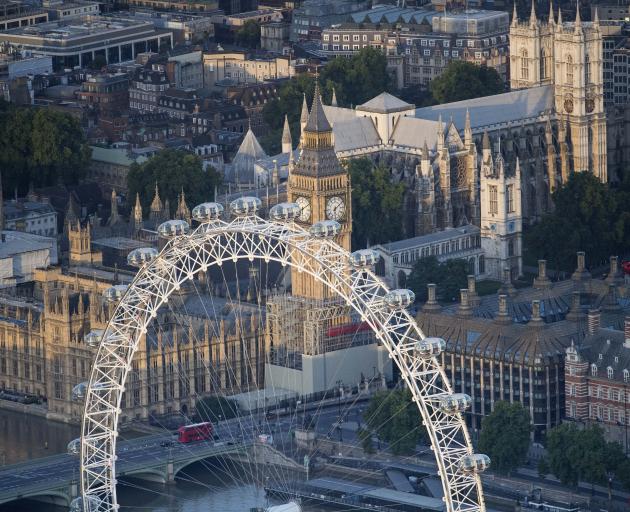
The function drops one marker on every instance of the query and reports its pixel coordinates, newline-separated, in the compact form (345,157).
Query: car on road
(167,444)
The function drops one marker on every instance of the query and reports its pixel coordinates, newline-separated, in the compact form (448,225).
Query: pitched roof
(317,121)
(384,103)
(509,107)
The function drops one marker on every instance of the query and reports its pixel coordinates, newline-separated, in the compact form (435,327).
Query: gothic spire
(156,204)
(468,129)
(486,141)
(578,18)
(532,15)
(552,18)
(183,212)
(304,113)
(514,16)
(560,15)
(425,150)
(137,214)
(113,217)
(596,17)
(287,142)
(333,102)
(317,121)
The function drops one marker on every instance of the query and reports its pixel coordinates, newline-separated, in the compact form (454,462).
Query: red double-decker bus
(196,432)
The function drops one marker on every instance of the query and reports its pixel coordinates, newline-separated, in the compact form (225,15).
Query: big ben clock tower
(321,187)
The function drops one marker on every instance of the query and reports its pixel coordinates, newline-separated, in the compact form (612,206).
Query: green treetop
(174,171)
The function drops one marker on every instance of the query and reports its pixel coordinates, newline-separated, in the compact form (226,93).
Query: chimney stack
(536,318)
(626,332)
(594,319)
(542,282)
(614,277)
(575,314)
(581,274)
(507,287)
(431,304)
(472,290)
(610,302)
(503,316)
(464,306)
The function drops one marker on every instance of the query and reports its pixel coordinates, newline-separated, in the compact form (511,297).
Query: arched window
(511,248)
(545,64)
(626,375)
(594,370)
(587,70)
(524,64)
(610,372)
(569,70)
(482,264)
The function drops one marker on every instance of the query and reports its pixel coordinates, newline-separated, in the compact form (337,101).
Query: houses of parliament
(451,157)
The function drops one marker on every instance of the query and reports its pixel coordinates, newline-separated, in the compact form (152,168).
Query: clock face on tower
(305,208)
(335,208)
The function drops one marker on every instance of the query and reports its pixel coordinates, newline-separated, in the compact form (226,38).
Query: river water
(24,437)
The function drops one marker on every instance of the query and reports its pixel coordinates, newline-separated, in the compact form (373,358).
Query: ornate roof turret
(318,156)
(333,102)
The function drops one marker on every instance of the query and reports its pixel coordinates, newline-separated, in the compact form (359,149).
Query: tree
(585,211)
(365,436)
(215,408)
(249,34)
(173,171)
(449,277)
(377,204)
(584,455)
(42,147)
(99,62)
(543,467)
(463,80)
(395,418)
(505,437)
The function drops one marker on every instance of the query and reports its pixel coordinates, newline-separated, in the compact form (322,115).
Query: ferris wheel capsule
(79,391)
(429,347)
(93,338)
(85,503)
(457,402)
(173,228)
(74,447)
(115,293)
(207,212)
(364,258)
(474,463)
(141,256)
(400,299)
(284,211)
(247,205)
(325,229)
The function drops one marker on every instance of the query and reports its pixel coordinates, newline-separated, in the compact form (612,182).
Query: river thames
(24,437)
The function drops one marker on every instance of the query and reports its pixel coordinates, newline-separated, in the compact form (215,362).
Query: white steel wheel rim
(252,237)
